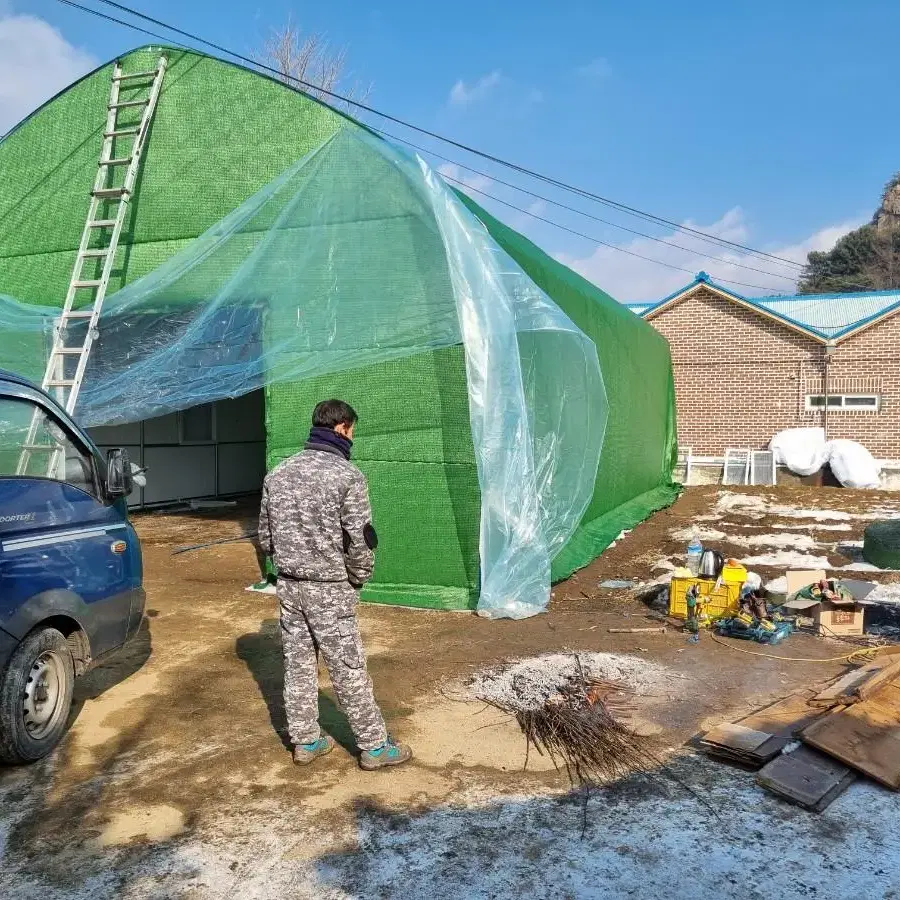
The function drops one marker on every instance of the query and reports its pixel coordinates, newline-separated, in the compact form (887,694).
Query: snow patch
(702,532)
(886,593)
(781,541)
(787,560)
(529,683)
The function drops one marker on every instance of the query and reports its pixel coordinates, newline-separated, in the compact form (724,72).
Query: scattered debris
(853,719)
(775,725)
(615,584)
(231,540)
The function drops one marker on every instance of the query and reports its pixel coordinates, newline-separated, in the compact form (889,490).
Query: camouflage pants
(322,616)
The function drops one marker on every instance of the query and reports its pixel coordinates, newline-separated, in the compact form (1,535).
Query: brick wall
(740,377)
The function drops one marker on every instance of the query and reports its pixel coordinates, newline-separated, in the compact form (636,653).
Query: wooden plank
(887,673)
(806,777)
(637,630)
(785,717)
(865,735)
(844,689)
(736,737)
(780,721)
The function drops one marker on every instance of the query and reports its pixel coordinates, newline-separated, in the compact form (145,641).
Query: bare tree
(309,62)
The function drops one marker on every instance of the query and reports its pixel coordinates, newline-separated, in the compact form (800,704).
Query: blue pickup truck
(70,565)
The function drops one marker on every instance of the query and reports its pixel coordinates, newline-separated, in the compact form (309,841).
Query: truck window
(74,465)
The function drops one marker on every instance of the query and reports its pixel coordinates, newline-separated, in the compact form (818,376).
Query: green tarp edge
(592,538)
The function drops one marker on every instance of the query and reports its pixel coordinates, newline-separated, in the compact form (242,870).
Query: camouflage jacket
(315,520)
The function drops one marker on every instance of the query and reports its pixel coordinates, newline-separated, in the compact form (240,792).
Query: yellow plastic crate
(721,601)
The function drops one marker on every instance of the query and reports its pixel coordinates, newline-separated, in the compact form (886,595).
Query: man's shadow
(262,654)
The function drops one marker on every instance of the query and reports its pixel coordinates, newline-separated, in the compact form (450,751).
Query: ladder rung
(121,132)
(78,314)
(102,223)
(92,283)
(40,447)
(122,161)
(125,103)
(69,351)
(109,193)
(135,75)
(100,251)
(59,382)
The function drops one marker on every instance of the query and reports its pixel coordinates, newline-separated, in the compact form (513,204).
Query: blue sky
(772,124)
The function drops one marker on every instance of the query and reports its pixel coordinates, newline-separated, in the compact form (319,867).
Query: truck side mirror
(119,477)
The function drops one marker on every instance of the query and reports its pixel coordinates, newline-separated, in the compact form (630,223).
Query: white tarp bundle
(805,451)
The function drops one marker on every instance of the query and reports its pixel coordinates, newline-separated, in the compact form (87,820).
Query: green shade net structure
(476,362)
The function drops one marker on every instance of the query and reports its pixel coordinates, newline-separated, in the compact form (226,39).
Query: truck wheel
(35,696)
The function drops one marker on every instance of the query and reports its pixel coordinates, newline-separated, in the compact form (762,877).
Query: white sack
(803,450)
(853,465)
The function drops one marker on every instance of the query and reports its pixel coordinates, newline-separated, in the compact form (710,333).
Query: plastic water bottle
(694,552)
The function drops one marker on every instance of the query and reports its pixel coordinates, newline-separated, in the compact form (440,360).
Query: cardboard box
(835,619)
(842,620)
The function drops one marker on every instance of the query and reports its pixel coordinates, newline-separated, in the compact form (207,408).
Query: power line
(540,218)
(100,15)
(514,166)
(580,212)
(496,199)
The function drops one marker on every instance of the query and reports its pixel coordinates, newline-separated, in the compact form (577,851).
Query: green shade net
(355,256)
(251,224)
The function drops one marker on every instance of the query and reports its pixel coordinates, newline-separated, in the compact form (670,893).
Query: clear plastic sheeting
(359,254)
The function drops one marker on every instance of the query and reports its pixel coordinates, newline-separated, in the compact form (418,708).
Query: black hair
(331,413)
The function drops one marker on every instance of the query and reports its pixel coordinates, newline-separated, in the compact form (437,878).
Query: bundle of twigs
(584,728)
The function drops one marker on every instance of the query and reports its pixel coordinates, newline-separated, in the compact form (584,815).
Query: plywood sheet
(806,777)
(865,736)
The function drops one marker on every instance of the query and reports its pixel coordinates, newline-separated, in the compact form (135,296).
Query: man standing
(316,524)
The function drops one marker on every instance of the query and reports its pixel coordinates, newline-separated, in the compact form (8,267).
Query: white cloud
(469,179)
(36,62)
(630,279)
(463,95)
(596,70)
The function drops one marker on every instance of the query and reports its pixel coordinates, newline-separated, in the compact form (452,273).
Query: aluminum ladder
(67,362)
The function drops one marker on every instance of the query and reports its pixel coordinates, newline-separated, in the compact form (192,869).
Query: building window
(846,402)
(197,425)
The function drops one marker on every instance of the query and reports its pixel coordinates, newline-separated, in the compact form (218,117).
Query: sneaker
(388,754)
(304,754)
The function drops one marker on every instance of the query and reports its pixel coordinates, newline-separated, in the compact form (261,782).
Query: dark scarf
(329,441)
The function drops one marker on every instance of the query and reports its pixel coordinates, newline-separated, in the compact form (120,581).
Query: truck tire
(35,696)
(881,544)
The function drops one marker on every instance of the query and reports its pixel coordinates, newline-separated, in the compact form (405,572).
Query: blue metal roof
(828,316)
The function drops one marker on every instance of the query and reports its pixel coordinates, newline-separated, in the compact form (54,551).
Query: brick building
(746,368)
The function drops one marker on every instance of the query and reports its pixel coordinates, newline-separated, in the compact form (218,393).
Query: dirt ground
(175,780)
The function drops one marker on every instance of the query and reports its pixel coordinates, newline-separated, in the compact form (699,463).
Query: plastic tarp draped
(297,282)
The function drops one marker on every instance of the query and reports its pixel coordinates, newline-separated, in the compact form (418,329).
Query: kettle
(711,564)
